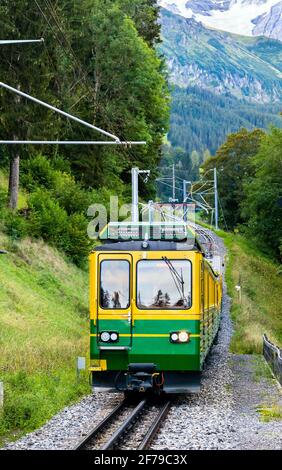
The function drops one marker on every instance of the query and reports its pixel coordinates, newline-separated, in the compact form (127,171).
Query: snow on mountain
(245,17)
(270,24)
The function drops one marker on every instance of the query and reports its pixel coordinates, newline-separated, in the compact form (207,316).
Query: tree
(99,63)
(196,161)
(234,164)
(145,14)
(262,207)
(26,67)
(167,299)
(129,93)
(183,165)
(159,300)
(206,155)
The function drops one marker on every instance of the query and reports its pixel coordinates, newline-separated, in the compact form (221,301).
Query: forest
(249,168)
(98,62)
(201,119)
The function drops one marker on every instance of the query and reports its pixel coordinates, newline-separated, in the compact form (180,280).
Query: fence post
(80,365)
(273,355)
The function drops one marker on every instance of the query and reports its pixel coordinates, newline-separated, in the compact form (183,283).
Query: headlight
(114,337)
(183,337)
(109,336)
(174,337)
(105,337)
(180,337)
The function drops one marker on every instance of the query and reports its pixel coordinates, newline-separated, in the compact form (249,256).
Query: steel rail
(153,430)
(127,424)
(100,427)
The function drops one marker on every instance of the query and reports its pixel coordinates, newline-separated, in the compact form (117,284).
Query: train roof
(149,245)
(140,236)
(139,231)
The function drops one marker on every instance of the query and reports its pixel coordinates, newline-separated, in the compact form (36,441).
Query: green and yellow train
(155,307)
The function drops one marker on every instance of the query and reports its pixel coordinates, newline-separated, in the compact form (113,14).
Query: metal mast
(173,182)
(135,211)
(135,172)
(215,199)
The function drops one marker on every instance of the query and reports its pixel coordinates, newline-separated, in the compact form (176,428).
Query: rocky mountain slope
(246,68)
(220,82)
(247,17)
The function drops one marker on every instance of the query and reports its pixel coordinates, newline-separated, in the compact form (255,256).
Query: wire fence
(273,355)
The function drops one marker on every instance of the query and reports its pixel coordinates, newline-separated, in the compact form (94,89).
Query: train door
(114,322)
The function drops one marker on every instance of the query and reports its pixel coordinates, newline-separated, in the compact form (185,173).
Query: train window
(164,284)
(114,287)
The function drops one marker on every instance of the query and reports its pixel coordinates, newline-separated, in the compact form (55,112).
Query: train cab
(154,310)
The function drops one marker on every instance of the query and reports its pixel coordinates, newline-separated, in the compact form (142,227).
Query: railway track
(119,428)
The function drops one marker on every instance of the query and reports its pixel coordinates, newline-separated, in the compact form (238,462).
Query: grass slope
(260,309)
(43,328)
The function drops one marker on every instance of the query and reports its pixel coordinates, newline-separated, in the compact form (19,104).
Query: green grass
(43,328)
(259,310)
(261,369)
(268,413)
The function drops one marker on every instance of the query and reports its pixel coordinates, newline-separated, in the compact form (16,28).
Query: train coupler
(140,377)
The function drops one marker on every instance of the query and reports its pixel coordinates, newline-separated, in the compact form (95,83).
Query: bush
(47,219)
(70,195)
(3,198)
(56,178)
(14,224)
(37,172)
(51,222)
(78,242)
(56,208)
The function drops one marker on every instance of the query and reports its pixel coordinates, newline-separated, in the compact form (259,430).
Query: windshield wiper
(178,280)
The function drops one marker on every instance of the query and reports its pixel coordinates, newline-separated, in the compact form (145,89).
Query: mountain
(201,120)
(247,17)
(246,68)
(220,82)
(270,24)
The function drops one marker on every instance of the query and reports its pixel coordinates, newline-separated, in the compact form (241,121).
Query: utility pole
(135,211)
(151,212)
(215,199)
(184,190)
(185,182)
(173,182)
(135,172)
(184,200)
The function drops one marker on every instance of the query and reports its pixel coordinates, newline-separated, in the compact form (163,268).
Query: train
(155,308)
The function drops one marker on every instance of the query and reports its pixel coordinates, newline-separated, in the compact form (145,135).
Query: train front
(145,315)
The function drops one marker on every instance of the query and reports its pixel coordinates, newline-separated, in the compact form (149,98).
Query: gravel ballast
(223,416)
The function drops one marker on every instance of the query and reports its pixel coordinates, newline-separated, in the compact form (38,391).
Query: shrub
(37,172)
(47,219)
(51,222)
(3,198)
(78,242)
(14,224)
(70,195)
